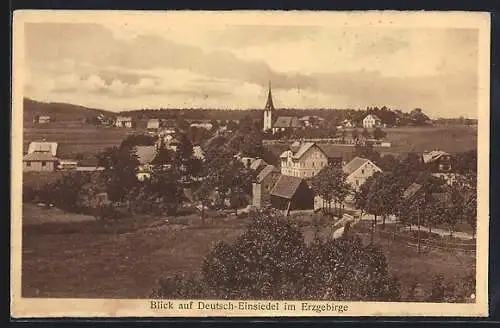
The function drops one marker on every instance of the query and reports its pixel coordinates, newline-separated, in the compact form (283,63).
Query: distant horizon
(239,109)
(153,61)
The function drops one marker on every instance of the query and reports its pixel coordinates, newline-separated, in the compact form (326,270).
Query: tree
(120,169)
(366,151)
(388,163)
(418,117)
(378,133)
(270,260)
(355,134)
(330,183)
(138,140)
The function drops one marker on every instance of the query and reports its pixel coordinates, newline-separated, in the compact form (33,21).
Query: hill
(61,112)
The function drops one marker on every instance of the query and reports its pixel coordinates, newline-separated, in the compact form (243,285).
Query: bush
(270,260)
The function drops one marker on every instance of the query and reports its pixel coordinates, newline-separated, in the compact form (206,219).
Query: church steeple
(268,111)
(269,103)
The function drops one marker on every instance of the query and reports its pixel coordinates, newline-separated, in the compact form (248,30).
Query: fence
(425,243)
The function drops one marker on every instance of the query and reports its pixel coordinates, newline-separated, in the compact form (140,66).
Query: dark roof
(40,156)
(269,103)
(287,122)
(286,186)
(334,151)
(411,190)
(266,171)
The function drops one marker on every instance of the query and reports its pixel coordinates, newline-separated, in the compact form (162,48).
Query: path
(440,232)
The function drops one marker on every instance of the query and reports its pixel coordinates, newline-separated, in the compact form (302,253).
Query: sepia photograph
(251,163)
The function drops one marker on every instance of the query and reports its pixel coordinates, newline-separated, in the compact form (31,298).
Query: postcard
(249,163)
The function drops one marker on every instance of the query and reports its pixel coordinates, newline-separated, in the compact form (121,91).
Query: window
(28,164)
(303,174)
(312,164)
(363,171)
(357,182)
(44,163)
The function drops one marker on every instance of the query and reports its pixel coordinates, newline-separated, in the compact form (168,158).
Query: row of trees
(271,260)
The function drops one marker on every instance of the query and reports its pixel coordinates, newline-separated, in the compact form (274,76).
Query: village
(335,180)
(282,182)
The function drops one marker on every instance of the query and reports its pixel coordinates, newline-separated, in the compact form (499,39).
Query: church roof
(269,103)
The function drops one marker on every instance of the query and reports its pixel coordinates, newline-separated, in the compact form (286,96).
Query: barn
(292,193)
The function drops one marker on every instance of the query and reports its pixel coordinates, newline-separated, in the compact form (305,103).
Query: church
(282,123)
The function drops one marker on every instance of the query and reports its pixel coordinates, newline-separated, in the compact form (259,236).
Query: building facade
(304,161)
(264,183)
(371,121)
(359,170)
(123,122)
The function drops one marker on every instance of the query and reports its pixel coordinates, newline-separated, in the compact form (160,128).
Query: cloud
(435,70)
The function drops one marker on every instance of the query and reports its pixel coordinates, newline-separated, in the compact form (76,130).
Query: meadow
(80,257)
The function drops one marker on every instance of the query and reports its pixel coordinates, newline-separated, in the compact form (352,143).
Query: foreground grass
(124,259)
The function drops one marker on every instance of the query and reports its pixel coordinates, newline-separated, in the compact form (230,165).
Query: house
(304,160)
(123,122)
(153,124)
(264,182)
(437,161)
(348,124)
(371,121)
(358,170)
(145,155)
(291,193)
(40,161)
(286,123)
(41,119)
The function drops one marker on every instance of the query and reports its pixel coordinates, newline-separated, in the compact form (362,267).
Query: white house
(123,122)
(359,170)
(304,161)
(371,121)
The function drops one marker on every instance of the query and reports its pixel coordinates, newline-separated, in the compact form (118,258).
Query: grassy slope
(125,259)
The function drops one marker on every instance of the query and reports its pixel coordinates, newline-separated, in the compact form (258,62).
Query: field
(89,258)
(84,141)
(412,139)
(80,140)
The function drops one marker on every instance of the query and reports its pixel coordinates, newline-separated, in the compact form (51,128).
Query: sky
(122,66)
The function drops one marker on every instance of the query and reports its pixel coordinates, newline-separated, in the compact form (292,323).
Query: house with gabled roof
(371,121)
(303,160)
(123,122)
(41,157)
(292,193)
(358,170)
